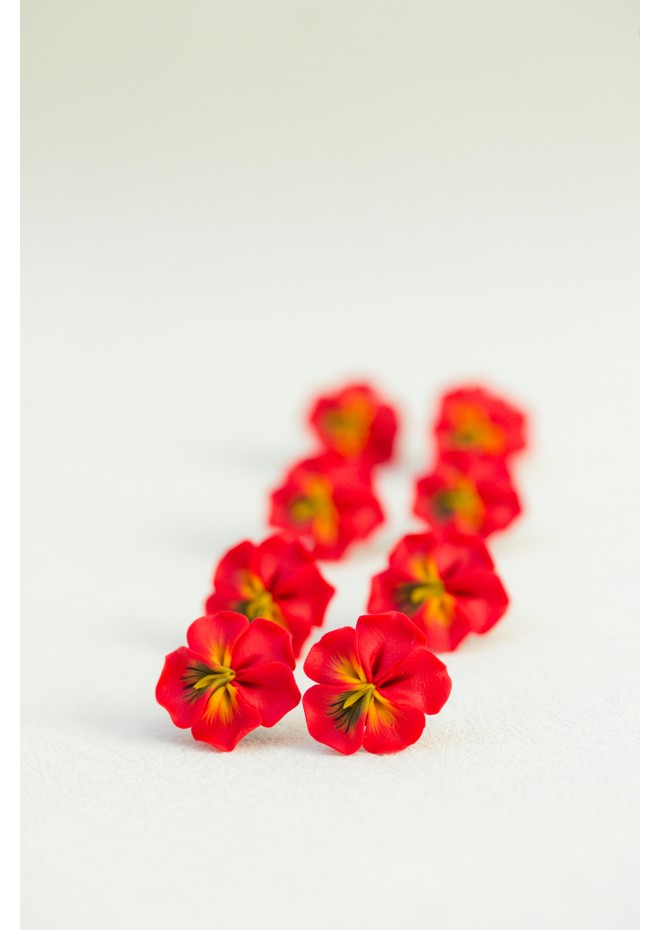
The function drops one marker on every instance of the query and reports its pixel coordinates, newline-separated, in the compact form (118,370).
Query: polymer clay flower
(473,493)
(355,423)
(231,678)
(328,503)
(445,583)
(277,580)
(376,683)
(471,419)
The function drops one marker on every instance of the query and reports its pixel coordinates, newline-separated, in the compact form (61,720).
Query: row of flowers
(375,682)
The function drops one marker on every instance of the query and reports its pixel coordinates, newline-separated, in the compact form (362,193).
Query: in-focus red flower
(277,580)
(471,419)
(231,678)
(445,583)
(473,493)
(355,423)
(327,502)
(376,683)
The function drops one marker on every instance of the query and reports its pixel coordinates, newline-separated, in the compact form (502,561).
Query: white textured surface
(225,211)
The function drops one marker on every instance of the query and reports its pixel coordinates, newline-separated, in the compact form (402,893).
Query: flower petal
(442,637)
(270,689)
(481,599)
(279,557)
(334,659)
(419,681)
(320,706)
(226,719)
(213,636)
(305,595)
(452,550)
(182,706)
(235,561)
(410,546)
(261,642)
(384,640)
(382,596)
(391,729)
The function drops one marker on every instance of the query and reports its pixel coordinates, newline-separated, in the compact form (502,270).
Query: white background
(228,207)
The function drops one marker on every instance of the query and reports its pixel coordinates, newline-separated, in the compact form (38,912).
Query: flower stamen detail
(258,600)
(199,677)
(351,705)
(428,589)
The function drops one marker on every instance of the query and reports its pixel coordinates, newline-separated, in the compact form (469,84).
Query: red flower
(355,423)
(471,419)
(445,583)
(473,493)
(233,677)
(327,502)
(376,682)
(277,580)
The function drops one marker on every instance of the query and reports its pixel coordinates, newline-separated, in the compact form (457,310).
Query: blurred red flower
(355,423)
(473,493)
(472,419)
(277,580)
(445,583)
(328,503)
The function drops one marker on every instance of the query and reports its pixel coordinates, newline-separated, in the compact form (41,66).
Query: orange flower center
(462,503)
(316,508)
(350,423)
(474,430)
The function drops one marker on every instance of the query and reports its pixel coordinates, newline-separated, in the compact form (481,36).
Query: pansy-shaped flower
(355,423)
(376,683)
(445,583)
(471,419)
(277,580)
(327,502)
(231,678)
(473,493)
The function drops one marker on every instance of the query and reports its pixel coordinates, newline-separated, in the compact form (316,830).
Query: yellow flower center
(427,590)
(215,681)
(258,600)
(461,502)
(349,424)
(361,697)
(316,507)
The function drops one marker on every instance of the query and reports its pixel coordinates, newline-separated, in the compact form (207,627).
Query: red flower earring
(471,493)
(277,580)
(445,583)
(327,502)
(231,678)
(355,423)
(472,419)
(376,683)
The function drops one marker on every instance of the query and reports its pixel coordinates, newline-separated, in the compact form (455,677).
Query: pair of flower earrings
(374,682)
